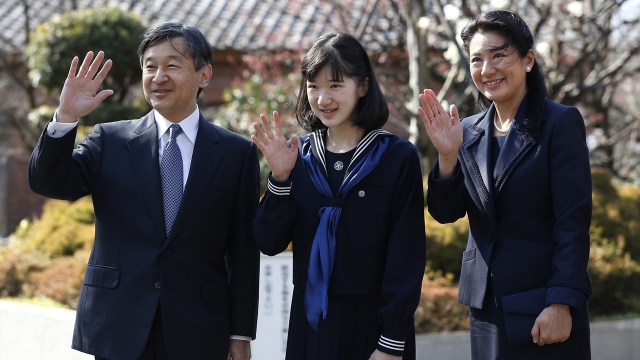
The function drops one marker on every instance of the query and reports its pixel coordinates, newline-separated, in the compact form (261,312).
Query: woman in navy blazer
(349,197)
(520,172)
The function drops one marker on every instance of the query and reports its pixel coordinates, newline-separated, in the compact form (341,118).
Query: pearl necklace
(498,128)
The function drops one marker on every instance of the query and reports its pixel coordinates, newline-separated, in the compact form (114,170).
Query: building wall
(21,202)
(17,201)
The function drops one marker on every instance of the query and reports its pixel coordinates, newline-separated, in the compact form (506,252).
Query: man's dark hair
(196,45)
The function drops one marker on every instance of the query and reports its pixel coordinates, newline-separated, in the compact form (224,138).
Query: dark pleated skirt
(350,331)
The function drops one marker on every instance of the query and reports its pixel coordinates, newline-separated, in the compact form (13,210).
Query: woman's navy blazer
(529,216)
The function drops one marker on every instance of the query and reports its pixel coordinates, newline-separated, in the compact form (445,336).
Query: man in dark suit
(173,273)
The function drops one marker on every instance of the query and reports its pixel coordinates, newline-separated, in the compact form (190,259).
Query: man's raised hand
(80,94)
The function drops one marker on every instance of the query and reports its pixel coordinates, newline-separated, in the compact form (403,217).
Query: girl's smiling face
(334,101)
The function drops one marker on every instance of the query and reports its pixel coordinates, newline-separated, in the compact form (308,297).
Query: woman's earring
(528,69)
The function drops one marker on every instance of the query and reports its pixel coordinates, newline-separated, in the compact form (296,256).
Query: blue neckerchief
(365,159)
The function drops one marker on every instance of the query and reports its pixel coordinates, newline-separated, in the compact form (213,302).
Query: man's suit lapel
(204,164)
(143,149)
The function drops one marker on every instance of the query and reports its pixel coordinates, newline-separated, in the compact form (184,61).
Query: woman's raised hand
(443,129)
(280,156)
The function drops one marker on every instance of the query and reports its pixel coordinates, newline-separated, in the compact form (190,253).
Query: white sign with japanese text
(276,290)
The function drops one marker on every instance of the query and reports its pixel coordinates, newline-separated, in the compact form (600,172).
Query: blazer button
(361,193)
(157,285)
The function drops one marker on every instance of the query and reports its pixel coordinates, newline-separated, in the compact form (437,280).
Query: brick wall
(21,201)
(17,201)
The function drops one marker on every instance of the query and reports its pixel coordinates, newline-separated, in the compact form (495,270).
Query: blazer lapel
(143,150)
(474,152)
(205,162)
(518,142)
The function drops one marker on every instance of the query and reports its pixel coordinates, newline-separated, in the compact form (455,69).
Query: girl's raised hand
(279,153)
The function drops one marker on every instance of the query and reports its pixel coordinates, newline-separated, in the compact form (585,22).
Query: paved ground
(610,340)
(29,332)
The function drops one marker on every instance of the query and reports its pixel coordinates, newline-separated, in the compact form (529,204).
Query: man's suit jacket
(204,275)
(529,216)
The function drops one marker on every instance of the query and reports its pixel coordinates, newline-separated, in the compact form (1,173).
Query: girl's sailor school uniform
(366,242)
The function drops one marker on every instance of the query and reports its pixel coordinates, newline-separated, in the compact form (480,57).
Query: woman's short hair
(347,58)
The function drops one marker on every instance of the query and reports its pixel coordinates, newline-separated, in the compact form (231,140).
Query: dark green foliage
(438,309)
(615,247)
(616,281)
(616,213)
(112,111)
(47,257)
(445,244)
(16,270)
(440,312)
(39,116)
(63,229)
(61,280)
(111,30)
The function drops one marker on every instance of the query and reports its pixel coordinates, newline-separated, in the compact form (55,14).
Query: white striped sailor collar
(317,142)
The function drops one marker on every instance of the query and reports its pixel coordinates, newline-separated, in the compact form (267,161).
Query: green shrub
(438,309)
(112,111)
(117,33)
(55,42)
(445,244)
(62,279)
(47,257)
(16,270)
(630,217)
(39,116)
(64,228)
(616,280)
(614,266)
(616,213)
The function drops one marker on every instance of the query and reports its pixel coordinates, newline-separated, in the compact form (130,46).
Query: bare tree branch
(366,18)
